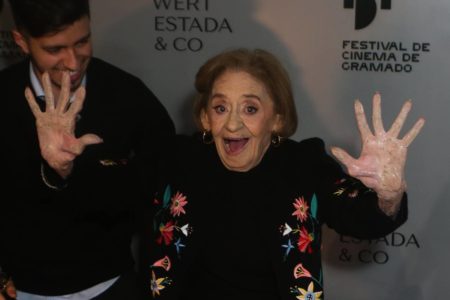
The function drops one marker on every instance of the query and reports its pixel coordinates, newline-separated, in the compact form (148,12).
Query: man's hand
(56,125)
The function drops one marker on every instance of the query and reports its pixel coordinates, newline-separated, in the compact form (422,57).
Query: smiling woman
(241,118)
(240,218)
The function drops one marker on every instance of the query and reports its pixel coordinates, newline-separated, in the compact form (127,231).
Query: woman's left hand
(381,163)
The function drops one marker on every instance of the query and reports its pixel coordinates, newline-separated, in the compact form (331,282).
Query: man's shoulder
(14,73)
(103,69)
(108,82)
(313,145)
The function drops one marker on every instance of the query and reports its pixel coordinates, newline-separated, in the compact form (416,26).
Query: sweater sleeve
(169,225)
(345,203)
(324,194)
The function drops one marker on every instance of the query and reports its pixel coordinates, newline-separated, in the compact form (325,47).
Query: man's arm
(56,131)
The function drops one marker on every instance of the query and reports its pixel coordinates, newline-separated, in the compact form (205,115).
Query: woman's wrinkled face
(241,118)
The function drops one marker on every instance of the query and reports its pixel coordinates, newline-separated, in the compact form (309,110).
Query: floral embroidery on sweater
(172,232)
(298,235)
(348,187)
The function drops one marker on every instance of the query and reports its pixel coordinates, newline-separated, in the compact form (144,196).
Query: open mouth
(74,76)
(234,146)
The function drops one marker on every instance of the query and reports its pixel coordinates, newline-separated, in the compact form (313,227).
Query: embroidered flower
(301,271)
(166,233)
(178,202)
(353,194)
(301,209)
(305,240)
(157,284)
(309,294)
(339,191)
(170,231)
(185,229)
(339,181)
(288,248)
(163,263)
(179,245)
(286,229)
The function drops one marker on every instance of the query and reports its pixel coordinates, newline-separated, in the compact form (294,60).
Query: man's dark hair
(41,17)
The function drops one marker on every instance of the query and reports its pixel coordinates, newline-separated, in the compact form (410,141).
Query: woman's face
(241,118)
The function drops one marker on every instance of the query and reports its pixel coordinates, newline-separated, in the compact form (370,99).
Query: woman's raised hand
(381,163)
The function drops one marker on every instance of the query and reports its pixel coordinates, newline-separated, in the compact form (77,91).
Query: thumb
(76,147)
(90,139)
(342,156)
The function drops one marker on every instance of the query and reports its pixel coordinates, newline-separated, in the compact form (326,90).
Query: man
(75,171)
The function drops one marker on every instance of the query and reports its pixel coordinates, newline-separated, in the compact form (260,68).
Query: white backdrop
(403,48)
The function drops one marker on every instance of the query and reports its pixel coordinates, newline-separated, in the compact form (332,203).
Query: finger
(49,100)
(35,109)
(411,135)
(400,120)
(90,139)
(341,155)
(76,147)
(362,121)
(376,114)
(78,102)
(64,95)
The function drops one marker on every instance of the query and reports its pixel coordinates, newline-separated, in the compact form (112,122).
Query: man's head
(56,35)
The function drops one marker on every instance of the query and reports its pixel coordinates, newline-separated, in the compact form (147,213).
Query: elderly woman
(241,213)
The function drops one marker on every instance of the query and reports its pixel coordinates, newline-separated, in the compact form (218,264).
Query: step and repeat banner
(336,52)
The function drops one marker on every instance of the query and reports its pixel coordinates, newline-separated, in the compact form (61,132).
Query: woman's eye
(219,109)
(251,109)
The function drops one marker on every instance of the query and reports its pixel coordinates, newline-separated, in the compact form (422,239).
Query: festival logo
(386,56)
(382,56)
(365,10)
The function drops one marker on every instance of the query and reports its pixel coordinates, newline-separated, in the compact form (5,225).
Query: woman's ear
(205,120)
(278,124)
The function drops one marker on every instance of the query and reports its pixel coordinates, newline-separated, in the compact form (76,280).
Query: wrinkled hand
(56,125)
(381,163)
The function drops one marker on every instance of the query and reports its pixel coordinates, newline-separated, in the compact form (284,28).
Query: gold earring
(207,137)
(276,140)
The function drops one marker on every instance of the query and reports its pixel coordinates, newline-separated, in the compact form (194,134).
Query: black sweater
(219,234)
(59,242)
